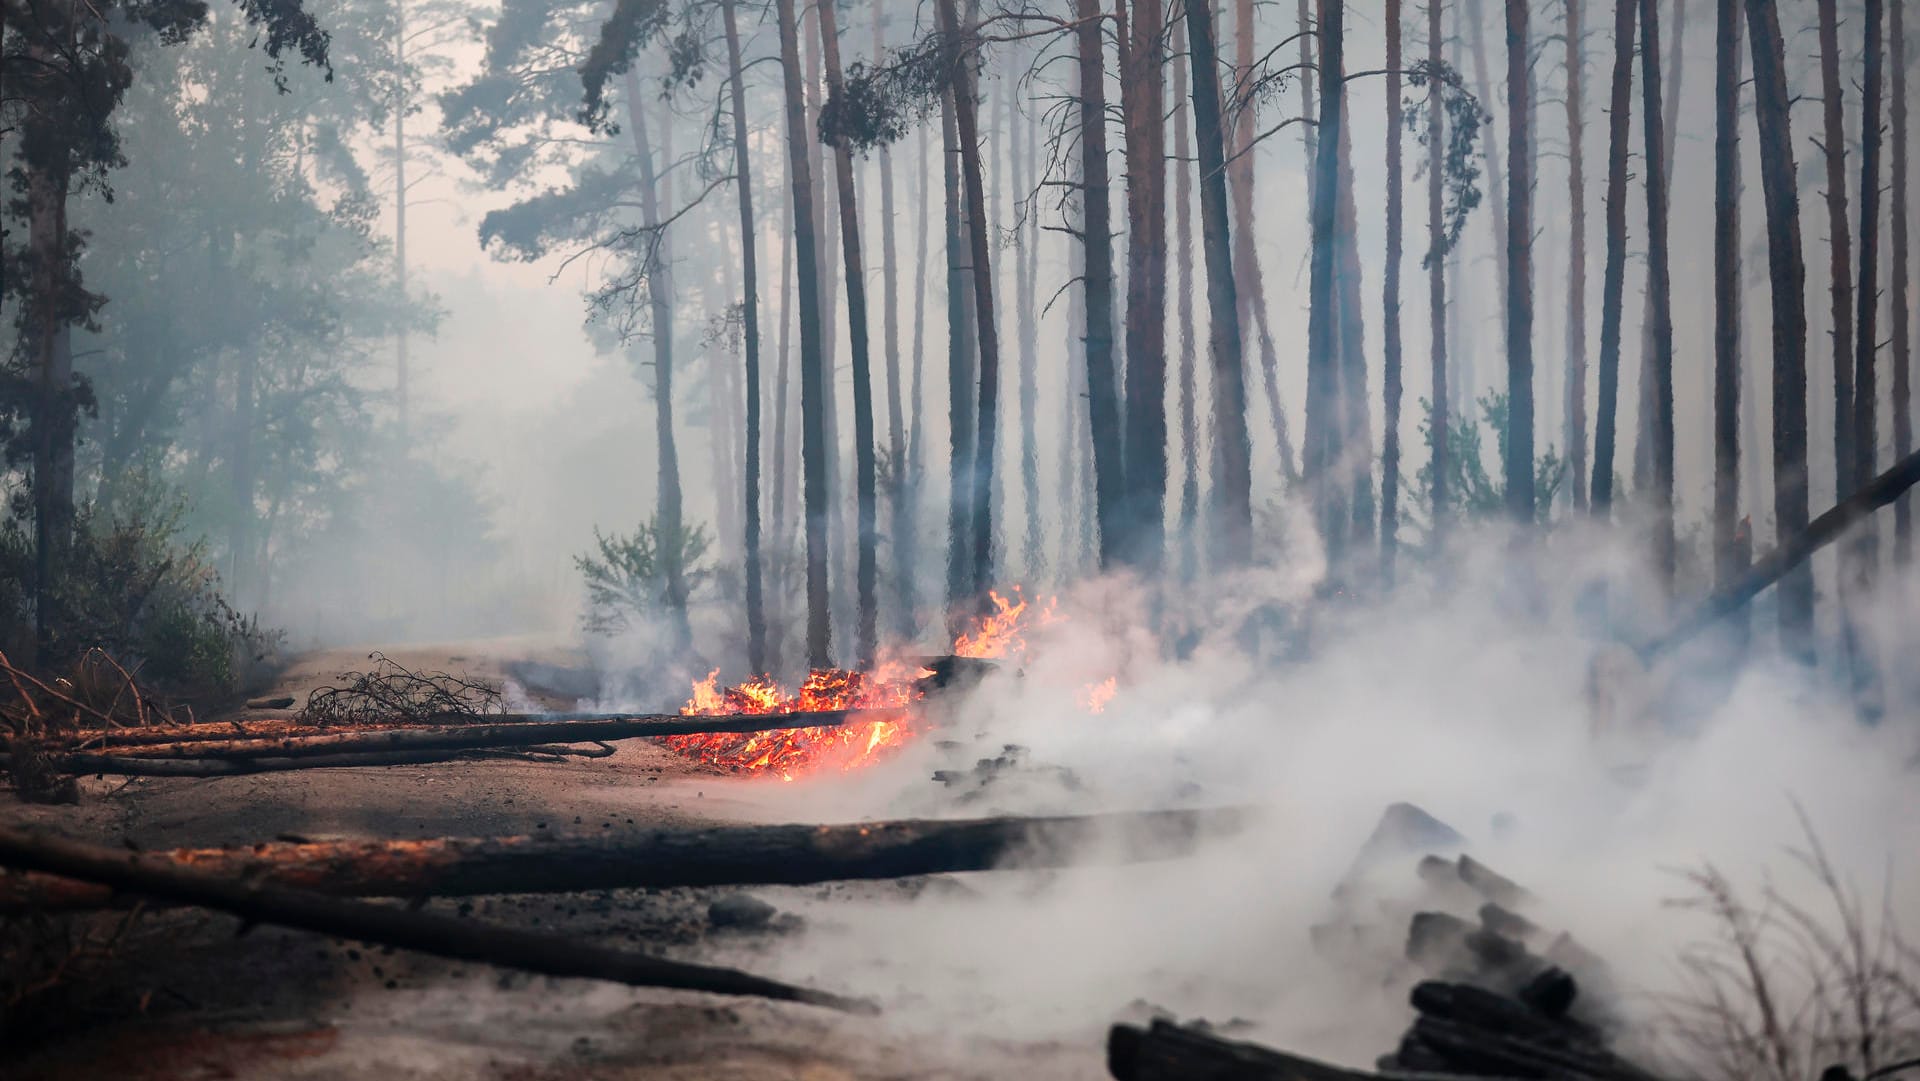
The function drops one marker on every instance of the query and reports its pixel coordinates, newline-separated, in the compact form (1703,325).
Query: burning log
(516,731)
(425,932)
(715,856)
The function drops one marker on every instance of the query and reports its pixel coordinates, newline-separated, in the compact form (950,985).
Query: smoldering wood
(512,732)
(659,859)
(139,766)
(425,932)
(1775,565)
(1165,1051)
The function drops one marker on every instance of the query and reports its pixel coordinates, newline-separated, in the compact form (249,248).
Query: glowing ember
(1094,696)
(887,692)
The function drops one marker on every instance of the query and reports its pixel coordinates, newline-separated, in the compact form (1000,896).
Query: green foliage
(1472,492)
(133,587)
(626,575)
(1461,158)
(880,103)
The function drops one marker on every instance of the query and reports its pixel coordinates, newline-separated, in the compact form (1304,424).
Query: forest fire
(889,690)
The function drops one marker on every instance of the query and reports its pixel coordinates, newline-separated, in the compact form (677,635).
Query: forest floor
(186,994)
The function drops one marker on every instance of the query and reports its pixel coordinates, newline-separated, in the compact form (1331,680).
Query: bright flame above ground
(890,688)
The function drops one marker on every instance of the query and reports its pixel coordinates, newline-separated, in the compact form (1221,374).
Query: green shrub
(626,575)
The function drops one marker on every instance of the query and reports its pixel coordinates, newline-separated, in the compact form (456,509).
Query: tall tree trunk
(1249,279)
(1499,199)
(1102,387)
(1728,559)
(1901,287)
(1576,426)
(1183,304)
(960,387)
(1614,275)
(813,428)
(825,215)
(782,450)
(1643,451)
(907,543)
(867,566)
(967,130)
(750,319)
(670,522)
(1032,556)
(400,387)
(1439,421)
(1519,463)
(1860,558)
(901,521)
(1787,270)
(1390,308)
(1325,423)
(53,414)
(1143,108)
(1659,295)
(1233,483)
(1356,410)
(1839,244)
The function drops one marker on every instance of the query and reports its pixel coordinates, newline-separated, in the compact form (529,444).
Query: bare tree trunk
(400,103)
(1249,279)
(1356,410)
(1643,452)
(52,417)
(813,428)
(1860,558)
(1576,427)
(1788,272)
(1613,276)
(867,567)
(1143,110)
(1901,286)
(960,387)
(1437,251)
(1840,274)
(750,318)
(670,525)
(1325,423)
(1659,296)
(907,544)
(782,528)
(1024,285)
(1233,483)
(1728,560)
(1519,464)
(1102,388)
(1390,305)
(967,132)
(1183,306)
(902,520)
(1499,201)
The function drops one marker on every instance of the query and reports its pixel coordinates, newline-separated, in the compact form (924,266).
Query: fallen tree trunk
(716,856)
(510,732)
(442,936)
(138,766)
(1824,530)
(1170,1052)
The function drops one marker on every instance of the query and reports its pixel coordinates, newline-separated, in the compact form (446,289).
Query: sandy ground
(188,994)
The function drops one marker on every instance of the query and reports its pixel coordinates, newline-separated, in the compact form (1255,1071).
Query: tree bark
(1233,482)
(1390,308)
(1183,303)
(1102,385)
(1859,561)
(782,528)
(1322,454)
(1498,198)
(1728,559)
(670,524)
(1024,274)
(426,932)
(1643,466)
(1576,427)
(1249,279)
(901,526)
(908,544)
(744,855)
(1519,458)
(50,346)
(1659,297)
(1143,110)
(1901,287)
(1439,422)
(750,318)
(967,132)
(960,386)
(1614,274)
(867,567)
(1787,271)
(1839,241)
(1356,409)
(813,429)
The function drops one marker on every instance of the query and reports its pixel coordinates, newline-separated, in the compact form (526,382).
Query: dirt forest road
(186,994)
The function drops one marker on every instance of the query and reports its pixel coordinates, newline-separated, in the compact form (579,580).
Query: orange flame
(1094,696)
(889,690)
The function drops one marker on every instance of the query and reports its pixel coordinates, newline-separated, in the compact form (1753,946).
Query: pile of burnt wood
(1494,995)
